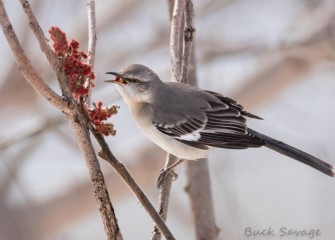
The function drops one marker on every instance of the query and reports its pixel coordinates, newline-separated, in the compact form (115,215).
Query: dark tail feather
(294,153)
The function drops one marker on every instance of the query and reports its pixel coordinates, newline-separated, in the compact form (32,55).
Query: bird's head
(135,82)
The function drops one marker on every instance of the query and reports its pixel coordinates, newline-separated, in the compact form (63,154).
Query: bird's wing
(220,124)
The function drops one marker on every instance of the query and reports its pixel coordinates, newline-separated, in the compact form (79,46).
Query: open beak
(118,79)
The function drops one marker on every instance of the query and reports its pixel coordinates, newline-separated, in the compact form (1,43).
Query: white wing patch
(193,136)
(186,130)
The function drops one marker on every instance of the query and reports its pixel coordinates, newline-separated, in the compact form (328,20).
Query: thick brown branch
(101,194)
(129,180)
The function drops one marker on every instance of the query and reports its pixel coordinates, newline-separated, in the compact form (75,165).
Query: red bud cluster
(80,77)
(79,73)
(99,114)
(59,39)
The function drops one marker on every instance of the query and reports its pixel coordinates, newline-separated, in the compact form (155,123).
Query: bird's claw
(163,174)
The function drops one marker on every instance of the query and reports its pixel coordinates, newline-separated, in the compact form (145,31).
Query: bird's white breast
(167,143)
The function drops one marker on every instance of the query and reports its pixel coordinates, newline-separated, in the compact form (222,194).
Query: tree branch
(199,191)
(175,35)
(107,155)
(164,196)
(188,41)
(92,38)
(175,52)
(198,188)
(92,32)
(105,206)
(42,40)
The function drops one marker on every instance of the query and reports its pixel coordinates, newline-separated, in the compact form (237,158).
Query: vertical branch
(200,195)
(198,188)
(106,153)
(175,34)
(106,208)
(164,196)
(177,7)
(92,32)
(92,38)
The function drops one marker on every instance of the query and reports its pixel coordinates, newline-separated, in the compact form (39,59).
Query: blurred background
(275,57)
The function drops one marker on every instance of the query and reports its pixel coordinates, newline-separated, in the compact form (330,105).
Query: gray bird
(185,121)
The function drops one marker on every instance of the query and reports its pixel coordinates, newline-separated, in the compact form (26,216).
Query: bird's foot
(163,175)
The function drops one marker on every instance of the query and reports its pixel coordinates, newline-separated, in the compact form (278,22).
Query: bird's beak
(118,78)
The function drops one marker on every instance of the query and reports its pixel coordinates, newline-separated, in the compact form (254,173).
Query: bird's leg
(168,170)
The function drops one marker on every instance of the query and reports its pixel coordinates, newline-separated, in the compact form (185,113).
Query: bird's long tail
(295,153)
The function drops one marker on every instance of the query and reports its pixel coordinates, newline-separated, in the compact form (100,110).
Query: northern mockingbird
(185,121)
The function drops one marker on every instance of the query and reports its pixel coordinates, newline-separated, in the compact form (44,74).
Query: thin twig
(107,155)
(25,66)
(92,38)
(42,40)
(198,188)
(164,196)
(175,52)
(110,223)
(92,32)
(197,172)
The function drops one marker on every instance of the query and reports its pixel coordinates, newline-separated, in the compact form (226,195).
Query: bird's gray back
(180,101)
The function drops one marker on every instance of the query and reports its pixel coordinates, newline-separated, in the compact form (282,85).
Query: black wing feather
(224,126)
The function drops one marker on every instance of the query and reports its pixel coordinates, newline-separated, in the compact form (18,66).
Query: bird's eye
(134,80)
